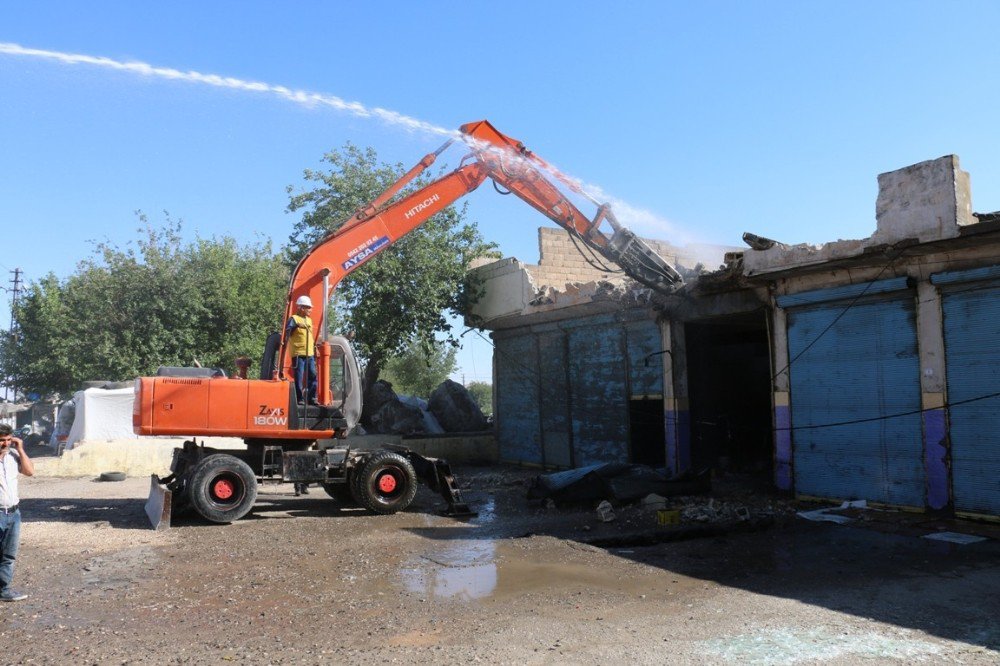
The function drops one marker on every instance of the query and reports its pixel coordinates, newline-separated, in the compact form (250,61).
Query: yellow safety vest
(302,342)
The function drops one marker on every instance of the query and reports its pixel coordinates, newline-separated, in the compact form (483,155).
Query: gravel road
(302,580)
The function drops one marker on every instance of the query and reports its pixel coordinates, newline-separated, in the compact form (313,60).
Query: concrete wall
(152,455)
(134,457)
(475,449)
(563,277)
(560,261)
(563,388)
(925,202)
(508,289)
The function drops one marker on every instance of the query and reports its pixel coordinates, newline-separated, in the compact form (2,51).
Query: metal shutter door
(554,398)
(517,399)
(597,382)
(972,346)
(864,367)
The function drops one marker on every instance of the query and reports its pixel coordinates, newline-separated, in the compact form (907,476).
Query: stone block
(928,201)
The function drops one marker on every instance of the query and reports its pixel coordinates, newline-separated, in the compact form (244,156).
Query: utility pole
(15,291)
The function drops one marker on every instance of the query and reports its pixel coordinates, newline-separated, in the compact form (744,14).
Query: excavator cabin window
(338,374)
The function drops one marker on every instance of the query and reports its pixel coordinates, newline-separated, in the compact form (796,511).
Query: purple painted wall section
(678,428)
(670,428)
(936,458)
(783,448)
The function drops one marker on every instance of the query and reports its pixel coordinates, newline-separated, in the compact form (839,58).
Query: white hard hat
(304,300)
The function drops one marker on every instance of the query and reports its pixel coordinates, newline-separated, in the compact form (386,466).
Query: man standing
(13,460)
(302,347)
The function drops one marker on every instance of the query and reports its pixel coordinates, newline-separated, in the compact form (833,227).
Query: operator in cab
(301,340)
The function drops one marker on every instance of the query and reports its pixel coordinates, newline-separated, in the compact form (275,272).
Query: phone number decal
(363,252)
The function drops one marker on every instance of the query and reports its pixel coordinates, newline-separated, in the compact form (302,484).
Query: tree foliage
(402,297)
(162,301)
(159,301)
(418,371)
(482,393)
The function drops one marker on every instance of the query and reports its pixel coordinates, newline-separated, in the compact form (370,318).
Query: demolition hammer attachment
(640,263)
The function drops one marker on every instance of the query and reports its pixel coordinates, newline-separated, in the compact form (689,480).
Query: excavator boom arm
(383,222)
(528,176)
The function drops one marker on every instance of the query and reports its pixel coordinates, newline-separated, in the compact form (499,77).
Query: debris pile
(397,418)
(639,497)
(455,408)
(389,414)
(617,482)
(450,409)
(595,290)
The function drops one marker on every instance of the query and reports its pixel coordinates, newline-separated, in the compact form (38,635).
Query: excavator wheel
(222,488)
(384,483)
(340,492)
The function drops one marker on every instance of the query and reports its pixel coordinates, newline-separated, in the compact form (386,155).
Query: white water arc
(627,214)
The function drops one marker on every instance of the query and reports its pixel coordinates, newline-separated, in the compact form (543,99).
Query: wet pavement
(302,580)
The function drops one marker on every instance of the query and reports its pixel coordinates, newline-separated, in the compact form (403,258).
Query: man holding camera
(13,461)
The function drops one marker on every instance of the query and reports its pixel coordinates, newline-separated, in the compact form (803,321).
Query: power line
(835,320)
(947,405)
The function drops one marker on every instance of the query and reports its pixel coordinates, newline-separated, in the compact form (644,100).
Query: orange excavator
(288,441)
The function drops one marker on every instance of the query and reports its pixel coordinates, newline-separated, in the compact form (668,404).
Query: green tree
(482,393)
(401,297)
(159,301)
(418,371)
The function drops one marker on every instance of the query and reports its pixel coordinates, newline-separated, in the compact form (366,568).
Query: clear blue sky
(718,117)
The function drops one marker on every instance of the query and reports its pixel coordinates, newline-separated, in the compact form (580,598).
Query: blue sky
(716,117)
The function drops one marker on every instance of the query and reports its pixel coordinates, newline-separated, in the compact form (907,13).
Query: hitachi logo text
(420,206)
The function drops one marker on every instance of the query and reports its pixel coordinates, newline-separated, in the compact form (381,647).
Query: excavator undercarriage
(220,485)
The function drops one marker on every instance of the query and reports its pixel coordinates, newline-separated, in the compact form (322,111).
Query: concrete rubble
(451,409)
(455,408)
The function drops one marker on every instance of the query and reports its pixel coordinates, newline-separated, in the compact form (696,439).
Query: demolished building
(859,369)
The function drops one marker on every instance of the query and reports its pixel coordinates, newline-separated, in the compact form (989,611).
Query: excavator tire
(385,483)
(340,492)
(222,488)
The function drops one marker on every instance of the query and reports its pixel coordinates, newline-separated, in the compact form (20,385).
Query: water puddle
(463,570)
(477,569)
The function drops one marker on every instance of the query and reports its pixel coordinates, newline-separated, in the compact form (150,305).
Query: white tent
(101,415)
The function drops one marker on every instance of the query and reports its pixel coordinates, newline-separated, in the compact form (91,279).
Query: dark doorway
(729,387)
(647,436)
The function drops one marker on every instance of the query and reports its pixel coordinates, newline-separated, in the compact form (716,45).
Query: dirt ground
(302,580)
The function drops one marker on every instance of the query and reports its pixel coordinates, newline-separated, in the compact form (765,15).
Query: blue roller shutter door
(517,399)
(858,361)
(554,396)
(972,346)
(600,403)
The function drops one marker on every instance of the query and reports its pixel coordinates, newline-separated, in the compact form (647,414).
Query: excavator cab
(344,378)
